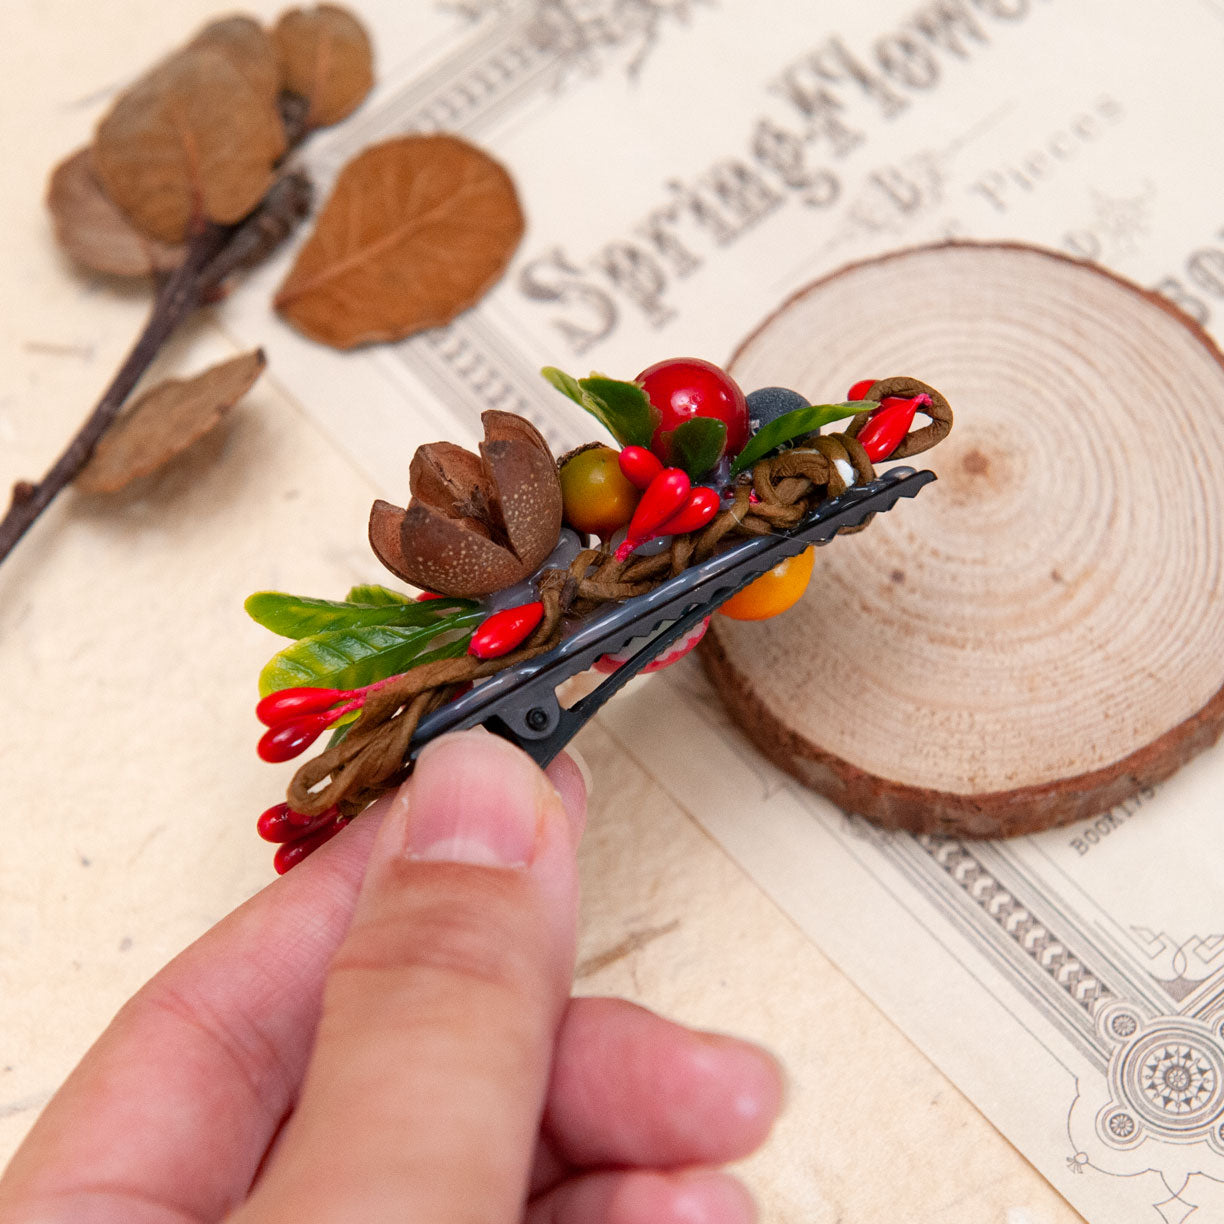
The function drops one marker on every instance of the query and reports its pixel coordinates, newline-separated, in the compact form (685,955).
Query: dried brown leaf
(326,57)
(165,421)
(94,231)
(416,230)
(192,141)
(249,47)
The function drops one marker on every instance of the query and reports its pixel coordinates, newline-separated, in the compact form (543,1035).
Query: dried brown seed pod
(475,524)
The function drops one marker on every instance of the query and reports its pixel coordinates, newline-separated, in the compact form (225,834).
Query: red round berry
(860,388)
(685,387)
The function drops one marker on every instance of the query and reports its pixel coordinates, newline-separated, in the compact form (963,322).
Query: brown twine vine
(371,759)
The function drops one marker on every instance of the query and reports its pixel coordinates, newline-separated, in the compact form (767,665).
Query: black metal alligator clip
(521,703)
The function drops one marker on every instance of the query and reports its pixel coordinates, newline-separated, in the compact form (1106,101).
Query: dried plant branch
(212,255)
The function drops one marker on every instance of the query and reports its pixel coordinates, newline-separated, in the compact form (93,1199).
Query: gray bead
(769,403)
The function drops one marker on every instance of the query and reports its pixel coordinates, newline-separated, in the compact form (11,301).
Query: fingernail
(583,768)
(749,1079)
(705,1196)
(476,799)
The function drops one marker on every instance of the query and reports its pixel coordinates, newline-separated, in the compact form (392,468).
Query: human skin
(387,1034)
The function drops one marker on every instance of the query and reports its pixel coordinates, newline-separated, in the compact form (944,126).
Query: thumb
(423,1095)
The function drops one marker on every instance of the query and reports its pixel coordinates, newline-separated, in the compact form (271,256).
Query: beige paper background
(126,666)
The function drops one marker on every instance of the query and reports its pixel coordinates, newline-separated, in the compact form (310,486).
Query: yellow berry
(597,497)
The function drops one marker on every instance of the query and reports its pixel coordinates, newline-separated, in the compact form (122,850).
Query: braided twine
(371,759)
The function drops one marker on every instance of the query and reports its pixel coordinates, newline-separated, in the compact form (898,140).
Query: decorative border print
(1092,1042)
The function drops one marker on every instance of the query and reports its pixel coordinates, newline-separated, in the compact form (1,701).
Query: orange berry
(774,591)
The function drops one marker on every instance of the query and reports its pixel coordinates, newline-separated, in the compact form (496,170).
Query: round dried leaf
(326,57)
(165,421)
(190,141)
(248,46)
(416,231)
(93,230)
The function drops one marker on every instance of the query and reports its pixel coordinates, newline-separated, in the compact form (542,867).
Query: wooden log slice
(1041,633)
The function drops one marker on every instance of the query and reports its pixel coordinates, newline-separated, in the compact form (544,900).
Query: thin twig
(212,255)
(177,298)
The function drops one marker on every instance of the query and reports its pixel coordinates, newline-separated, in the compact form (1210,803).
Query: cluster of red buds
(295,834)
(296,717)
(669,504)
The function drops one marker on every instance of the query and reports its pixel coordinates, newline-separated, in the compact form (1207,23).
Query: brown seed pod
(475,524)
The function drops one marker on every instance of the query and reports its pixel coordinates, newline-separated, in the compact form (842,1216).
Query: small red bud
(860,388)
(305,821)
(504,630)
(666,493)
(292,853)
(887,426)
(701,506)
(289,703)
(639,466)
(424,595)
(274,825)
(287,739)
(280,823)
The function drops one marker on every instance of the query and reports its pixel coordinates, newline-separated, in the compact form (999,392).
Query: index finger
(171,1111)
(211,1048)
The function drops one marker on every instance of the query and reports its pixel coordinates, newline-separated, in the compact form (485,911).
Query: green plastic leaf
(696,445)
(626,411)
(791,425)
(350,658)
(567,384)
(621,407)
(372,593)
(300,616)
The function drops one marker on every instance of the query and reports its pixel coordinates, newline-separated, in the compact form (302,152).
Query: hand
(386,1034)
